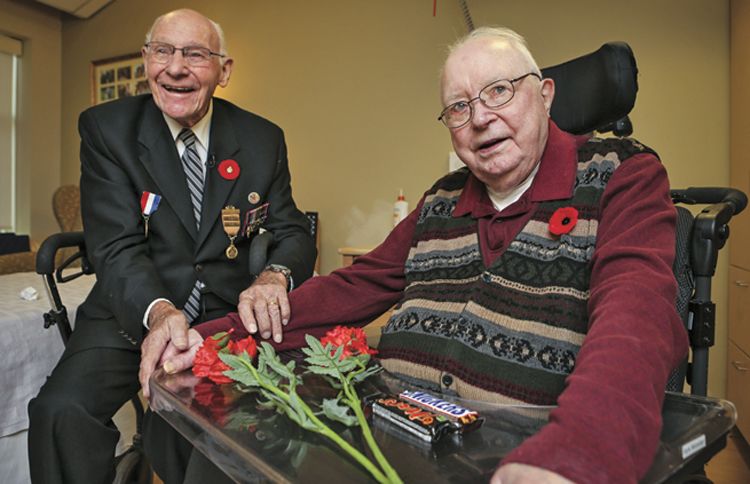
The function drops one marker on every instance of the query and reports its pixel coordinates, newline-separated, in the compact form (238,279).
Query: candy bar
(439,406)
(418,422)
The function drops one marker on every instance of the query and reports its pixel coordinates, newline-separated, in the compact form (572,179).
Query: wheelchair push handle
(710,195)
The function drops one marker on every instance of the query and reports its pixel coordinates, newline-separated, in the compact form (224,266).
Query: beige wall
(38,128)
(354,85)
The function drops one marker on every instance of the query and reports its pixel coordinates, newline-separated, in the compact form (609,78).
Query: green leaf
(273,401)
(321,370)
(273,362)
(239,372)
(359,377)
(340,413)
(297,408)
(313,342)
(243,376)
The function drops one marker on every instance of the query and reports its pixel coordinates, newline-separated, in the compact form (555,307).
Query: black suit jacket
(126,149)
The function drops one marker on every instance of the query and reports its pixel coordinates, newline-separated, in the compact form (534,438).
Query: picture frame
(118,77)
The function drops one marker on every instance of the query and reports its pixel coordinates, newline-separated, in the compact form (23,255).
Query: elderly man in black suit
(174,186)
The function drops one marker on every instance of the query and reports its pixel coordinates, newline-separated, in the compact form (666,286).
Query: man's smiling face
(183,92)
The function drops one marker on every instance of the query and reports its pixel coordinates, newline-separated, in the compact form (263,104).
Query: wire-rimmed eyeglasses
(493,95)
(162,53)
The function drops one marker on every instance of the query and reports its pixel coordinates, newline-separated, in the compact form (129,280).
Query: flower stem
(356,405)
(323,429)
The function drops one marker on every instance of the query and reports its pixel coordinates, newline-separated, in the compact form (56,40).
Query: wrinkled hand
(168,325)
(264,306)
(525,474)
(174,359)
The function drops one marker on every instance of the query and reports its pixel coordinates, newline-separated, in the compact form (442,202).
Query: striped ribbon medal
(149,204)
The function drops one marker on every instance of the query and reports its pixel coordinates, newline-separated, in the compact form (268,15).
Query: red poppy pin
(229,169)
(563,220)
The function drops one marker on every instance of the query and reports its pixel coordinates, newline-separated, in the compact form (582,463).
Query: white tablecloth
(28,352)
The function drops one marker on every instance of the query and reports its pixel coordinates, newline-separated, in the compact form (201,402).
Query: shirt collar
(555,179)
(201,129)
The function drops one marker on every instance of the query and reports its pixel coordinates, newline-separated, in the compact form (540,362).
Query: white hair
(515,40)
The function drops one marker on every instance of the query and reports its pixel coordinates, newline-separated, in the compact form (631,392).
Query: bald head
(185,63)
(180,16)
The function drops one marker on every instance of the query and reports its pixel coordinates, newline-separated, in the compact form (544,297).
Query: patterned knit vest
(510,332)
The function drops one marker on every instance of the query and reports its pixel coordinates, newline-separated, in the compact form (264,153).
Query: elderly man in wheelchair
(540,273)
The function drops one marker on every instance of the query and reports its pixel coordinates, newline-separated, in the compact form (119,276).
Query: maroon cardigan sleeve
(360,292)
(607,424)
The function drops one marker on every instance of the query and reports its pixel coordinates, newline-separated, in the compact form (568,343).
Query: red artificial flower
(229,169)
(207,362)
(353,340)
(563,220)
(247,344)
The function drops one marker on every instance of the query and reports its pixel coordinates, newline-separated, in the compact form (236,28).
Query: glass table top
(253,444)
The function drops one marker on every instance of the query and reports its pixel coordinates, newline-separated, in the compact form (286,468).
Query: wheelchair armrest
(711,195)
(711,229)
(47,255)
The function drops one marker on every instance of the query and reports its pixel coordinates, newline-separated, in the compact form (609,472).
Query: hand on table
(525,474)
(264,306)
(175,360)
(167,326)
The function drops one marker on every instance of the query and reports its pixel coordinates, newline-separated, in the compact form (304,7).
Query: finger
(175,361)
(181,361)
(286,310)
(178,329)
(261,316)
(169,352)
(245,310)
(274,314)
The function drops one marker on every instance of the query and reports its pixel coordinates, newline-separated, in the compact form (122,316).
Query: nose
(177,64)
(482,114)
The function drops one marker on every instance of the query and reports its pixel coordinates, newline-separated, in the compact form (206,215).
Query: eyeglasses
(493,95)
(195,56)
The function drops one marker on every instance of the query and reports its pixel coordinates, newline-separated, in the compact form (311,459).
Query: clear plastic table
(253,444)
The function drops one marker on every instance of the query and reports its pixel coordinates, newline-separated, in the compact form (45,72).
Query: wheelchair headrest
(595,91)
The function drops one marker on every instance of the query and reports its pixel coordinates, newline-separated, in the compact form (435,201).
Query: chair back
(595,92)
(685,285)
(66,205)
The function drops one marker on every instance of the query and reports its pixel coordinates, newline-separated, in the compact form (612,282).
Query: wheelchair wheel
(132,468)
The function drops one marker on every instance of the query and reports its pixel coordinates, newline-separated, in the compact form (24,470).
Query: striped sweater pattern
(507,333)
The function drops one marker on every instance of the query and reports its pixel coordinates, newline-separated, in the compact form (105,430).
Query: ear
(226,71)
(548,93)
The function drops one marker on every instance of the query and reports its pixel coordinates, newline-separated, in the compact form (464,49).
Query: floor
(731,465)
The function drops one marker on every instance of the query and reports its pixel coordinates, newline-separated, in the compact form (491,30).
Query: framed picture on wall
(118,77)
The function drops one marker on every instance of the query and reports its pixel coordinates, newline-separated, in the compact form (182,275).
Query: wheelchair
(594,92)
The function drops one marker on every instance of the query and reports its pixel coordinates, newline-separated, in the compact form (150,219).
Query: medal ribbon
(149,203)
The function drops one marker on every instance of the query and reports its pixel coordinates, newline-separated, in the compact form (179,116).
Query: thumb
(181,361)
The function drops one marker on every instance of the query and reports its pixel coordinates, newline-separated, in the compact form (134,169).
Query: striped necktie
(191,163)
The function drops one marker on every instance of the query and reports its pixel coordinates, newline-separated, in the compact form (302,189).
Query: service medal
(230,220)
(254,219)
(149,204)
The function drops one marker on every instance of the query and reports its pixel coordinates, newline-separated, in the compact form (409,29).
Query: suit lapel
(158,154)
(223,146)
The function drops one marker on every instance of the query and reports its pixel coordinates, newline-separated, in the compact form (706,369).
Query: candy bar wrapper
(416,421)
(421,422)
(469,419)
